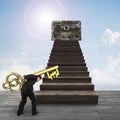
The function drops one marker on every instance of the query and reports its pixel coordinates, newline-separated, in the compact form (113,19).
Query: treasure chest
(66,30)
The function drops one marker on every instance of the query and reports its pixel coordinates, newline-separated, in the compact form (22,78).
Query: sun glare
(45,17)
(39,15)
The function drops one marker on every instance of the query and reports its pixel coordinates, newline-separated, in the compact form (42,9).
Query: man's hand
(22,78)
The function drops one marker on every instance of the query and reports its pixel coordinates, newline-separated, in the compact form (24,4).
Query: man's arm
(30,77)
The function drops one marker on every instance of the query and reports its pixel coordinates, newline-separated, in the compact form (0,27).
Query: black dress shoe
(35,113)
(19,113)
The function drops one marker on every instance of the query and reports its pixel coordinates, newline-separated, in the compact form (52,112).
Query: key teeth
(54,74)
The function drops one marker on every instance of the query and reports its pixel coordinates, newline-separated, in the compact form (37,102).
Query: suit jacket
(28,86)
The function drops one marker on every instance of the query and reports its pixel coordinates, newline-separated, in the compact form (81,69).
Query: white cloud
(109,78)
(110,37)
(24,53)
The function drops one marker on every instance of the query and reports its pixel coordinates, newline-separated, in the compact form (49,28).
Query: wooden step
(67,86)
(80,97)
(74,73)
(71,68)
(66,49)
(66,59)
(66,43)
(67,64)
(66,53)
(68,79)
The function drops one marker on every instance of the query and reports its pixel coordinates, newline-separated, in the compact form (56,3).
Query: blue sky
(25,36)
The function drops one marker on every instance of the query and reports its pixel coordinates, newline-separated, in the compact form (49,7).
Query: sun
(39,15)
(45,16)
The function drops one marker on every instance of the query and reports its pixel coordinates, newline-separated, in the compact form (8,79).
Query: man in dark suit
(27,91)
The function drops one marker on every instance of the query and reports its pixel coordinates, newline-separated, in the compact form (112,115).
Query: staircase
(74,83)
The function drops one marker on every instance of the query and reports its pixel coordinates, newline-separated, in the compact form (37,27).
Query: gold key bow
(14,82)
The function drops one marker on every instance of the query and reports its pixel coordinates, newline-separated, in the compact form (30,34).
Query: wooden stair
(74,83)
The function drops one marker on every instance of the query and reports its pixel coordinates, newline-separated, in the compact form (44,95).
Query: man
(27,91)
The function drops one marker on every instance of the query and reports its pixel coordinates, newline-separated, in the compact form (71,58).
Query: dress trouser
(24,96)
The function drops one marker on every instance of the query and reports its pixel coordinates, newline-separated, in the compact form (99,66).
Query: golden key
(14,82)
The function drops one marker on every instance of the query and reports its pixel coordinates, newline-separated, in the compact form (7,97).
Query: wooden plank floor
(108,108)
